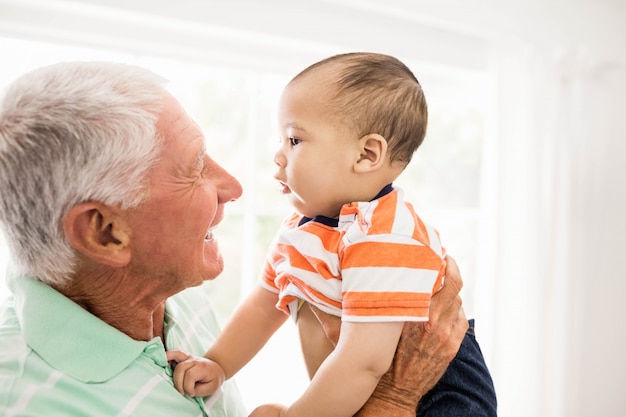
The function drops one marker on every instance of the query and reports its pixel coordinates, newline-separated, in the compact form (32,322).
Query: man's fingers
(447,300)
(457,326)
(453,274)
(462,324)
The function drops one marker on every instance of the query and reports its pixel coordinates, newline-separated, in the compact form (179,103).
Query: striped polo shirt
(377,262)
(57,359)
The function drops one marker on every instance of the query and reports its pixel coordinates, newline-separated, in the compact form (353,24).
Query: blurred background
(522,169)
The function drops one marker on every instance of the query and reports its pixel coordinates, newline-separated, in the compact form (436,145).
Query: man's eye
(294,141)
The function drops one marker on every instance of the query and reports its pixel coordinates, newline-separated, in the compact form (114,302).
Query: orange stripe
(269,274)
(378,254)
(327,234)
(306,263)
(296,259)
(284,301)
(389,312)
(440,278)
(284,279)
(386,304)
(382,220)
(420,231)
(292,221)
(367,298)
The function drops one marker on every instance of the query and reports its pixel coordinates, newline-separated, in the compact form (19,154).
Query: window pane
(236,109)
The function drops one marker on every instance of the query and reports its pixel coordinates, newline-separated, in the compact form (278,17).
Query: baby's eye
(294,141)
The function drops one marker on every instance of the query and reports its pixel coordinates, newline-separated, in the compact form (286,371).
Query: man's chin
(214,269)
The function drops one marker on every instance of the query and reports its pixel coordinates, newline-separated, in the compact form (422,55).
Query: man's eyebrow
(198,160)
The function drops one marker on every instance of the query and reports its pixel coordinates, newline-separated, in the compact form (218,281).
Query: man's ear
(373,153)
(98,232)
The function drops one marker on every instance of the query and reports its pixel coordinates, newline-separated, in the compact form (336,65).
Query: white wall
(552,277)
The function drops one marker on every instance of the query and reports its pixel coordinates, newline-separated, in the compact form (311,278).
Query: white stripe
(213,399)
(403,222)
(326,308)
(198,317)
(388,238)
(329,287)
(139,396)
(367,211)
(309,244)
(379,319)
(267,286)
(295,236)
(393,279)
(435,243)
(355,231)
(319,303)
(28,393)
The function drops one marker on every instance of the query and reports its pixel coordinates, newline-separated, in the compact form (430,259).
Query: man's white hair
(70,133)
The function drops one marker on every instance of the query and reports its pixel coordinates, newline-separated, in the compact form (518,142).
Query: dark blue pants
(466,389)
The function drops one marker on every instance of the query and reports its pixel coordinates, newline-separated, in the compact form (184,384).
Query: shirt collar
(335,222)
(68,337)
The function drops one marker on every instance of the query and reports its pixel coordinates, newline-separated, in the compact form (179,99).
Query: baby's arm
(250,327)
(349,375)
(252,324)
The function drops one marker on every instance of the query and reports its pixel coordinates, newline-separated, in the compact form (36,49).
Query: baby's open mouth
(284,188)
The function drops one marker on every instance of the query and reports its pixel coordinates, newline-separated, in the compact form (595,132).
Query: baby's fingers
(180,365)
(193,376)
(176,355)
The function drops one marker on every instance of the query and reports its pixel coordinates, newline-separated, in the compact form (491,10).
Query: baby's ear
(98,232)
(373,153)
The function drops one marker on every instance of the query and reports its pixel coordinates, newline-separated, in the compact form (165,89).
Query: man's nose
(228,187)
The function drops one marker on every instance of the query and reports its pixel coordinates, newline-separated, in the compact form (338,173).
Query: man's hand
(424,351)
(195,376)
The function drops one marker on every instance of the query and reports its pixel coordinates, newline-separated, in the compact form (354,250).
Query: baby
(354,248)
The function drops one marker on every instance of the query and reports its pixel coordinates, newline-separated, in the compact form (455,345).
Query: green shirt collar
(49,320)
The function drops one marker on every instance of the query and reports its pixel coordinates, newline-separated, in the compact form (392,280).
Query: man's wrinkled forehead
(173,118)
(183,139)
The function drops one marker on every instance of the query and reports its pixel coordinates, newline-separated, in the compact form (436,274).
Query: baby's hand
(269,410)
(195,376)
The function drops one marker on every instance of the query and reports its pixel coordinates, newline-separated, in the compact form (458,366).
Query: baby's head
(348,126)
(375,93)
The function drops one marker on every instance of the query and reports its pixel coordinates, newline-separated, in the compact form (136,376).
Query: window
(236,109)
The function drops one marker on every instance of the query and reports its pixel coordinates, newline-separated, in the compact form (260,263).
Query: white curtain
(550,279)
(556,200)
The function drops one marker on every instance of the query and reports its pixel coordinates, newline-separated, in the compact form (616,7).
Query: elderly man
(108,200)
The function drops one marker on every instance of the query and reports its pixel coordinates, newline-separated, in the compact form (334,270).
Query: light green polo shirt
(57,359)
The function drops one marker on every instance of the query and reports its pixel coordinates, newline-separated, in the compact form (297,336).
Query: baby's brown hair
(377,93)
